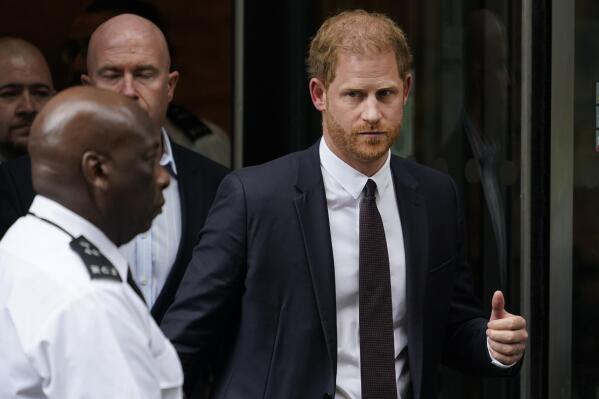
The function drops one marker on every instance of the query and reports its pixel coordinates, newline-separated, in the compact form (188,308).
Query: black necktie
(134,286)
(377,355)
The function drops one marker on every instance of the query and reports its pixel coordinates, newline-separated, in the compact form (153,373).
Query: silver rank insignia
(98,266)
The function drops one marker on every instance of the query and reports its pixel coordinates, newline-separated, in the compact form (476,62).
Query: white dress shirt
(343,186)
(65,335)
(152,254)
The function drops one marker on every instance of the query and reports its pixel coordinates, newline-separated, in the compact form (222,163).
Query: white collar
(167,154)
(77,226)
(350,179)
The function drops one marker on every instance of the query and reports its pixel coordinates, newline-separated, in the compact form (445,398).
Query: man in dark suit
(128,54)
(338,271)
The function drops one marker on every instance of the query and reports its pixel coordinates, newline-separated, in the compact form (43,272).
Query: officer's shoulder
(96,263)
(35,253)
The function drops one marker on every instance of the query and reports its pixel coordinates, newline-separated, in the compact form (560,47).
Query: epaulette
(188,123)
(98,266)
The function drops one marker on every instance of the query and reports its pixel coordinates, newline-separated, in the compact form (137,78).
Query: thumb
(498,306)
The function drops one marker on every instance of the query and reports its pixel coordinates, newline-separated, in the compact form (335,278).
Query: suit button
(327,396)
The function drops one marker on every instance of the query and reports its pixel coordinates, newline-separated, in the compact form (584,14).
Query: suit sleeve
(465,346)
(209,294)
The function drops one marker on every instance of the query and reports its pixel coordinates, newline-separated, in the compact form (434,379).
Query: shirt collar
(167,154)
(350,179)
(78,226)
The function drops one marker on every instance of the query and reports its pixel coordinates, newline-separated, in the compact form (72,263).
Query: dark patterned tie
(377,355)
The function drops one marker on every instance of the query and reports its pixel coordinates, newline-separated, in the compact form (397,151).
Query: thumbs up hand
(506,332)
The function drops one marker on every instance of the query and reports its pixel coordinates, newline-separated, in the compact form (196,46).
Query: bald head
(95,152)
(129,55)
(25,87)
(130,33)
(74,121)
(14,46)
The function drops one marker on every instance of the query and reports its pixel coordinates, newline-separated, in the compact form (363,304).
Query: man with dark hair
(339,271)
(74,324)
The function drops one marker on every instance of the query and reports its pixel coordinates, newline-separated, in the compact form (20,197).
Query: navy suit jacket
(198,179)
(257,302)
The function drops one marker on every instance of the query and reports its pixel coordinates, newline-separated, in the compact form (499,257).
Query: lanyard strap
(52,223)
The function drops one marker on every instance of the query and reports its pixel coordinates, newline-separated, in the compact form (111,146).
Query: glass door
(585,217)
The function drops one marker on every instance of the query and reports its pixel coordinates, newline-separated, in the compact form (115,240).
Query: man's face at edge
(25,87)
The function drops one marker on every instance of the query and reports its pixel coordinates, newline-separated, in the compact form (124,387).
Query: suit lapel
(313,218)
(414,222)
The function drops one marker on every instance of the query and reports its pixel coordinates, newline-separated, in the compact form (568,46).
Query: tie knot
(369,189)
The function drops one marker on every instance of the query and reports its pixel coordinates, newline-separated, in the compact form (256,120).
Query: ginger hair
(355,32)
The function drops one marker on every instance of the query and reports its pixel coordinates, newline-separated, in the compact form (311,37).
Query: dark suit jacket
(261,285)
(198,179)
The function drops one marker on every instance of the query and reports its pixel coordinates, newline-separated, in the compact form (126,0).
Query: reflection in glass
(481,152)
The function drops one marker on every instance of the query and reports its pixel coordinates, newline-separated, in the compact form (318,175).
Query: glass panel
(585,346)
(464,118)
(472,91)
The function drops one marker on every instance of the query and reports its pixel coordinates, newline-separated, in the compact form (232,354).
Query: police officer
(73,324)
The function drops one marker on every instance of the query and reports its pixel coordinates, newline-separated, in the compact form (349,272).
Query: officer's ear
(94,167)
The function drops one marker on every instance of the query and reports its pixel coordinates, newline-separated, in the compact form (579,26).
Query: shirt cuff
(496,362)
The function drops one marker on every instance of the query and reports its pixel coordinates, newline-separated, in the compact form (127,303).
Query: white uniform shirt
(343,187)
(64,335)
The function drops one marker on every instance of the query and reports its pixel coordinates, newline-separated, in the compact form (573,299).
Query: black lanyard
(52,223)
